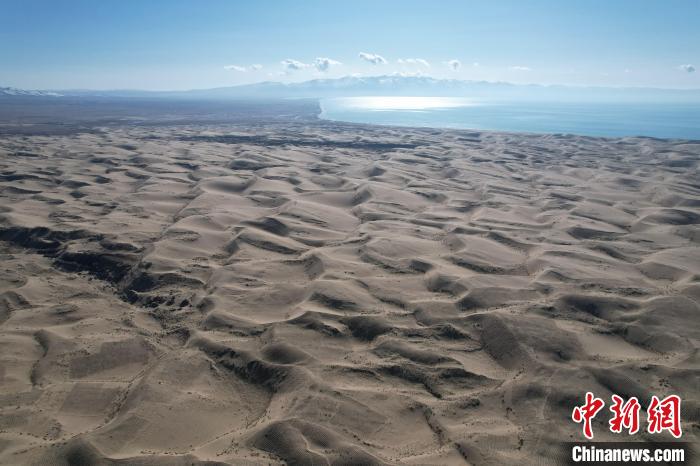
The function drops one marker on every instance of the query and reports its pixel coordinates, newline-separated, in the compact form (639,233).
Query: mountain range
(390,85)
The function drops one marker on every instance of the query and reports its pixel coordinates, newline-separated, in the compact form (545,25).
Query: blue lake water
(661,120)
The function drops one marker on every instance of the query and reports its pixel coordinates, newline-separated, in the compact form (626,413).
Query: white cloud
(521,68)
(292,65)
(373,58)
(324,64)
(413,61)
(243,69)
(687,68)
(454,64)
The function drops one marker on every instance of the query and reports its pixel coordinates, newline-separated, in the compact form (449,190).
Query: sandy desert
(309,292)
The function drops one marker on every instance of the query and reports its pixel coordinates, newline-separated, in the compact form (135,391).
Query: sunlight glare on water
(402,102)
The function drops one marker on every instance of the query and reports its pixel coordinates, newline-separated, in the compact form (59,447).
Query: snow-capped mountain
(13,91)
(397,85)
(352,86)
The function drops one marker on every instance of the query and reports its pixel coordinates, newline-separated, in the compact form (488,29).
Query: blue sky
(200,44)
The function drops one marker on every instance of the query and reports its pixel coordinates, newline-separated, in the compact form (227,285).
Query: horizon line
(579,86)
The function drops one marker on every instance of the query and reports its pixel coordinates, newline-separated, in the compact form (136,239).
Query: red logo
(665,415)
(625,415)
(587,412)
(661,415)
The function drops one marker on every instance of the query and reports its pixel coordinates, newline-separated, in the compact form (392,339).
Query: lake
(661,120)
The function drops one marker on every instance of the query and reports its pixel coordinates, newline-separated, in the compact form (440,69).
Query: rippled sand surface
(316,293)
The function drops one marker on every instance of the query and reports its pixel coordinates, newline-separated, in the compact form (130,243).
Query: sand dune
(320,293)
